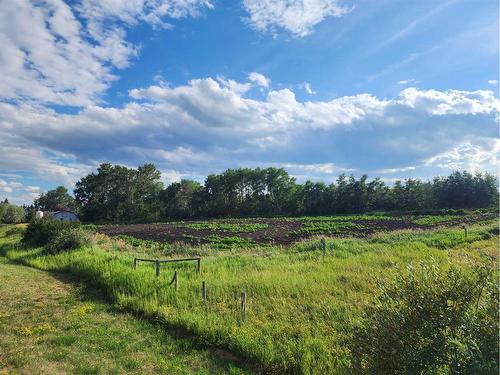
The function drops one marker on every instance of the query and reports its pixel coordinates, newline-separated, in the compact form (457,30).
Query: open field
(284,231)
(302,305)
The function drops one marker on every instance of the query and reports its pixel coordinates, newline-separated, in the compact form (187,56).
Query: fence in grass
(243,301)
(175,279)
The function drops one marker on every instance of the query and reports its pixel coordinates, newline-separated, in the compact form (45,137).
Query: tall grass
(302,305)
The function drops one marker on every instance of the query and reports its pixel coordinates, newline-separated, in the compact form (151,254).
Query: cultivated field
(285,231)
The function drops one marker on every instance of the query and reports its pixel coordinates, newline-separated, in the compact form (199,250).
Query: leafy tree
(117,193)
(55,200)
(12,214)
(465,190)
(179,199)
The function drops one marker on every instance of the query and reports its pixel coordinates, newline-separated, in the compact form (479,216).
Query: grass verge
(49,325)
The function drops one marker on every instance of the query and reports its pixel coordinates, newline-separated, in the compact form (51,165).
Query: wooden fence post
(157,268)
(199,265)
(465,231)
(244,303)
(176,280)
(204,292)
(323,245)
(135,263)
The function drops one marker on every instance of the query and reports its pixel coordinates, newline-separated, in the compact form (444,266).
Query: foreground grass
(302,304)
(47,328)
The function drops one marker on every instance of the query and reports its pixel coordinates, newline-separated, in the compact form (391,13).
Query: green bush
(431,321)
(67,239)
(41,231)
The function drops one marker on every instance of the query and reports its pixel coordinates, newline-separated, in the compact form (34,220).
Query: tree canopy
(120,194)
(117,193)
(54,200)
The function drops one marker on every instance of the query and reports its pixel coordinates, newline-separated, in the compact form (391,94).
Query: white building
(65,216)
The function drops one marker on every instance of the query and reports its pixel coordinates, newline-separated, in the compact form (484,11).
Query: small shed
(65,216)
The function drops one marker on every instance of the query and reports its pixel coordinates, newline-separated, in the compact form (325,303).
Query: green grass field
(52,324)
(302,304)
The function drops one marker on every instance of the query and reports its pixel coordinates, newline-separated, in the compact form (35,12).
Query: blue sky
(394,89)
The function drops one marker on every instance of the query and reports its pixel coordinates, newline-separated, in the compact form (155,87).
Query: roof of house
(62,211)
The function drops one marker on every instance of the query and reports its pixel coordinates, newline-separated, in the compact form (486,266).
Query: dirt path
(51,326)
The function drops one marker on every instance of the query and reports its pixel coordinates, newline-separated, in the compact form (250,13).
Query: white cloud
(17,193)
(231,85)
(50,56)
(259,79)
(132,11)
(493,82)
(396,170)
(296,16)
(469,156)
(307,87)
(407,82)
(41,164)
(316,171)
(170,176)
(450,101)
(208,125)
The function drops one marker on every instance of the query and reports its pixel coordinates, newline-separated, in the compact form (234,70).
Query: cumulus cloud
(208,125)
(296,16)
(259,79)
(450,101)
(54,53)
(469,156)
(44,165)
(493,82)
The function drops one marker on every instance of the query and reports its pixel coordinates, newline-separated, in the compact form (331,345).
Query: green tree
(54,200)
(179,199)
(117,193)
(13,214)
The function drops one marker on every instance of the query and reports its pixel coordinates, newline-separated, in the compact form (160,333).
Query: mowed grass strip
(47,328)
(302,305)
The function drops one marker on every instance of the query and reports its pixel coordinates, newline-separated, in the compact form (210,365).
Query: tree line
(119,194)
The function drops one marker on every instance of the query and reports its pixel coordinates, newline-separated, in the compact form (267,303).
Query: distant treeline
(119,194)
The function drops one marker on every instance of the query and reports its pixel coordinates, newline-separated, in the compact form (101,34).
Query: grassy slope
(301,304)
(47,328)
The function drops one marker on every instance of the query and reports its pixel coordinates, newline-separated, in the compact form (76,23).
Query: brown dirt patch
(282,231)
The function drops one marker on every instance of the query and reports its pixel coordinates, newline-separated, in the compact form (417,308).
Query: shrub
(67,239)
(41,231)
(431,321)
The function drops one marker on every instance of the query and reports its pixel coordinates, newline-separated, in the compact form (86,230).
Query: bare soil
(282,231)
